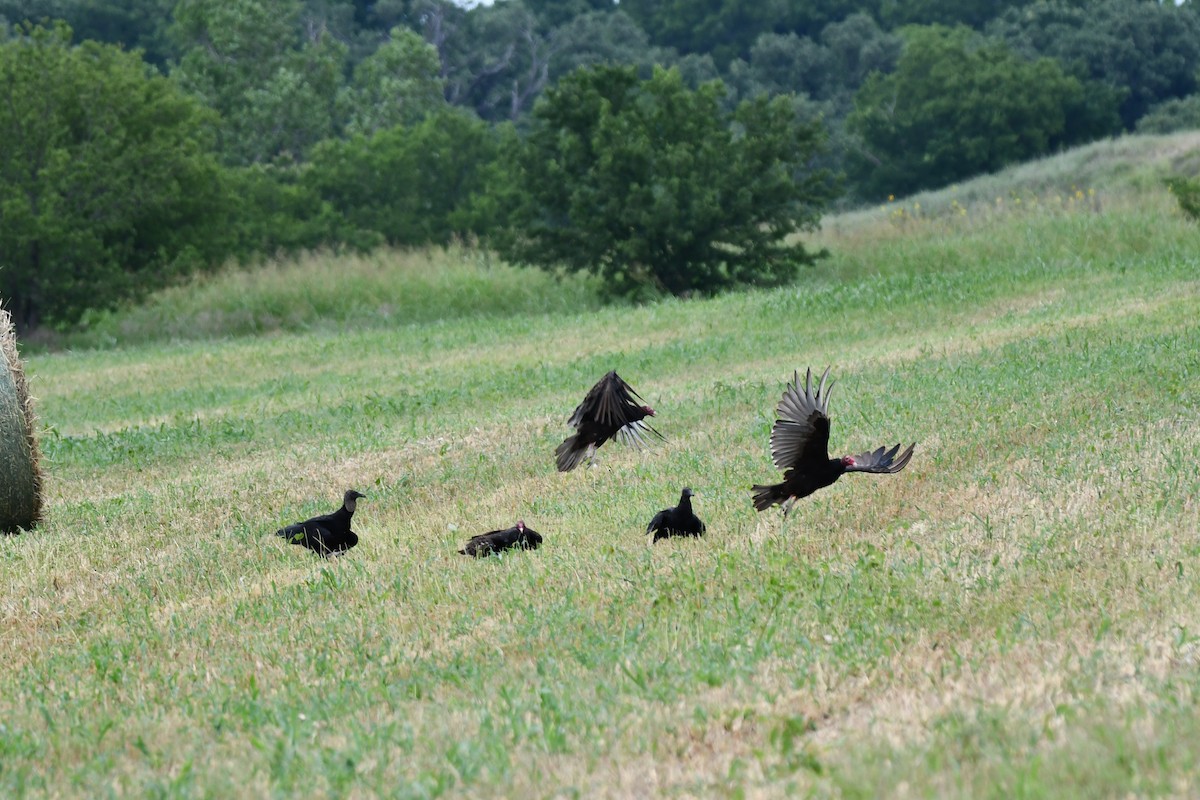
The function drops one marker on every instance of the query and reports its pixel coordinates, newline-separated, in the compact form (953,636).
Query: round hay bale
(20,474)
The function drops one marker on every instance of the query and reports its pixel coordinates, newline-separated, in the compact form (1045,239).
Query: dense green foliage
(299,87)
(1187,192)
(651,186)
(140,24)
(275,210)
(1172,115)
(108,184)
(398,84)
(428,182)
(275,90)
(1145,52)
(956,107)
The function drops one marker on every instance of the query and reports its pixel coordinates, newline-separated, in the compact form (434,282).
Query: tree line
(668,146)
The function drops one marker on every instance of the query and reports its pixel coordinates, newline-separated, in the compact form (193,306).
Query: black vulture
(677,521)
(328,534)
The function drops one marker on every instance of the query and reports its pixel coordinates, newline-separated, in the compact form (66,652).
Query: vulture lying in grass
(496,541)
(800,447)
(677,521)
(328,534)
(608,411)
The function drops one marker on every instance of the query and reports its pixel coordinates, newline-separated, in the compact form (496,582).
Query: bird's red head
(847,461)
(521,525)
(649,411)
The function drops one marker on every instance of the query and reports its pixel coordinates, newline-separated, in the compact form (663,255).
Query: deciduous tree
(415,184)
(1146,52)
(398,84)
(652,186)
(957,106)
(108,186)
(273,83)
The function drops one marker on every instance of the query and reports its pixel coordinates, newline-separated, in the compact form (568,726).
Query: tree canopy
(274,88)
(108,184)
(1147,52)
(957,106)
(654,187)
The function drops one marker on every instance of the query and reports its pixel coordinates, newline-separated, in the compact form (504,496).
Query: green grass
(333,292)
(1016,614)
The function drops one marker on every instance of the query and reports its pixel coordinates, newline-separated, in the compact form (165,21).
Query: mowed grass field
(1017,614)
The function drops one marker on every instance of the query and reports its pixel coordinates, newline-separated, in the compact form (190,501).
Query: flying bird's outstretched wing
(611,405)
(801,431)
(882,460)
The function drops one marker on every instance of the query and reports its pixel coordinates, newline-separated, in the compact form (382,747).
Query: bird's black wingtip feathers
(904,458)
(883,460)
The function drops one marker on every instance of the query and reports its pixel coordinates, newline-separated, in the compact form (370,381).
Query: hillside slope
(1014,613)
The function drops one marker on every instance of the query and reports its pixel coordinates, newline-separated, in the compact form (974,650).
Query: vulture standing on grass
(495,541)
(677,521)
(800,447)
(609,411)
(328,534)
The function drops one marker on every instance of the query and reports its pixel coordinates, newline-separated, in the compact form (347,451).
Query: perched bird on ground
(495,541)
(608,411)
(677,521)
(800,447)
(328,534)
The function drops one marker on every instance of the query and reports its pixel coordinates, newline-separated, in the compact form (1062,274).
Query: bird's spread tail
(569,454)
(565,456)
(767,496)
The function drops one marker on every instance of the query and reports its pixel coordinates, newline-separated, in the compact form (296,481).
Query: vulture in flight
(677,521)
(495,541)
(328,534)
(800,447)
(609,411)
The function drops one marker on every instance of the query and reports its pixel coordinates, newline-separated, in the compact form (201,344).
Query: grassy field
(1017,614)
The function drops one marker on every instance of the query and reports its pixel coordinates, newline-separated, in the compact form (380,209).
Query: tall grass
(1013,614)
(1120,169)
(384,288)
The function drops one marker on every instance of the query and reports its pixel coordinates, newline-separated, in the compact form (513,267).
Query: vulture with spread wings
(800,447)
(609,411)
